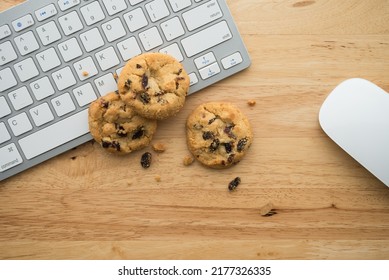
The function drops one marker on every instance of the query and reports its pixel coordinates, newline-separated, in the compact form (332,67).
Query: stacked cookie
(151,87)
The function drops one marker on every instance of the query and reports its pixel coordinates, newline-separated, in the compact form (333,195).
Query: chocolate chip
(145,160)
(231,158)
(212,120)
(139,132)
(145,97)
(116,145)
(145,81)
(214,145)
(177,81)
(228,130)
(127,83)
(161,100)
(234,184)
(121,131)
(104,104)
(228,147)
(242,144)
(159,93)
(138,66)
(208,135)
(105,144)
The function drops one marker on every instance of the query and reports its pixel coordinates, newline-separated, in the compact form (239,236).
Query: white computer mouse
(356,116)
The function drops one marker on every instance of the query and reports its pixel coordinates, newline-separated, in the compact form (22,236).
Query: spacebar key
(206,38)
(55,135)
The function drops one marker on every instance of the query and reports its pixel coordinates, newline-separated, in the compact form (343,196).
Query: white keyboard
(56,57)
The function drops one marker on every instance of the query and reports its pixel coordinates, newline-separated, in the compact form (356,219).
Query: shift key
(206,38)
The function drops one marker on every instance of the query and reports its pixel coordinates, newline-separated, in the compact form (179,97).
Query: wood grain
(86,204)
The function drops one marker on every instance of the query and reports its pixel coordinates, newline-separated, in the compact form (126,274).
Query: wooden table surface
(87,204)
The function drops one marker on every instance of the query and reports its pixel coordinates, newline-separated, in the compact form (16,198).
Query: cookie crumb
(159,147)
(157,178)
(268,210)
(85,73)
(251,102)
(234,184)
(115,76)
(188,160)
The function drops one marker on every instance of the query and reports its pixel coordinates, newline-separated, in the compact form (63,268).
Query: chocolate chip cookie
(117,127)
(155,85)
(218,134)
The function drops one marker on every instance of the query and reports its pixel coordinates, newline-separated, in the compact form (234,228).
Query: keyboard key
(41,114)
(172,28)
(92,39)
(63,78)
(206,38)
(174,51)
(26,69)
(7,79)
(85,68)
(67,4)
(106,84)
(178,5)
(119,70)
(205,60)
(202,15)
(9,157)
(20,98)
(107,58)
(134,2)
(157,10)
(42,88)
(5,31)
(193,79)
(209,71)
(135,19)
(63,104)
(55,135)
(92,13)
(20,124)
(23,22)
(114,6)
(113,30)
(231,60)
(84,94)
(150,38)
(7,53)
(48,59)
(48,33)
(45,12)
(70,23)
(4,134)
(26,43)
(4,108)
(70,49)
(129,48)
